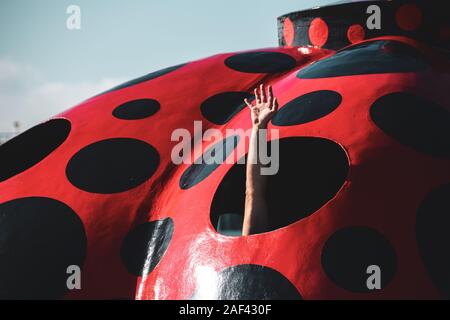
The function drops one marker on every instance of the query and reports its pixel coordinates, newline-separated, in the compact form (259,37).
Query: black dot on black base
(348,253)
(248,282)
(113,165)
(220,108)
(145,245)
(307,108)
(39,239)
(136,109)
(433,236)
(147,77)
(380,56)
(261,62)
(415,122)
(196,173)
(311,169)
(32,146)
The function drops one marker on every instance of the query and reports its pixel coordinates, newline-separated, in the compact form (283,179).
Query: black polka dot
(307,108)
(113,165)
(415,122)
(433,237)
(198,172)
(261,62)
(145,245)
(350,251)
(39,239)
(32,146)
(220,108)
(311,172)
(248,282)
(380,56)
(147,77)
(137,109)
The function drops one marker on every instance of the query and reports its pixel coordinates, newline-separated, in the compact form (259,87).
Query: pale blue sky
(119,40)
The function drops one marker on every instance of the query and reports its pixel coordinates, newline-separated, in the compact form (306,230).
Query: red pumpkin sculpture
(364,178)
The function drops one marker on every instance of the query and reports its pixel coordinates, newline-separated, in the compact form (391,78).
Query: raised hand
(266,105)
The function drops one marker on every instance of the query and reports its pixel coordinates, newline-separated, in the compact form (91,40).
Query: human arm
(256,219)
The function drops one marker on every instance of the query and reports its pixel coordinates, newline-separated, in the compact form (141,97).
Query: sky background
(46,68)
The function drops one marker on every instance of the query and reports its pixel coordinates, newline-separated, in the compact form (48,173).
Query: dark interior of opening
(311,172)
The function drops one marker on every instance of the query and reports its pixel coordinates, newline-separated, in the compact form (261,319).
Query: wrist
(259,126)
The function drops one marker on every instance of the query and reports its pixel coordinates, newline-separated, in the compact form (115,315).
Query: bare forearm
(255,182)
(256,218)
(256,213)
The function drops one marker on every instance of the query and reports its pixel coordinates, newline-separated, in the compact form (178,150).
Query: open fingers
(257,98)
(274,106)
(269,95)
(248,103)
(263,93)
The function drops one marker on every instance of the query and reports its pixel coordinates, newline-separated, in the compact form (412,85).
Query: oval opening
(311,172)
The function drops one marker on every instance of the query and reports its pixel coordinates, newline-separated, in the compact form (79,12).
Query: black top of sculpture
(340,24)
